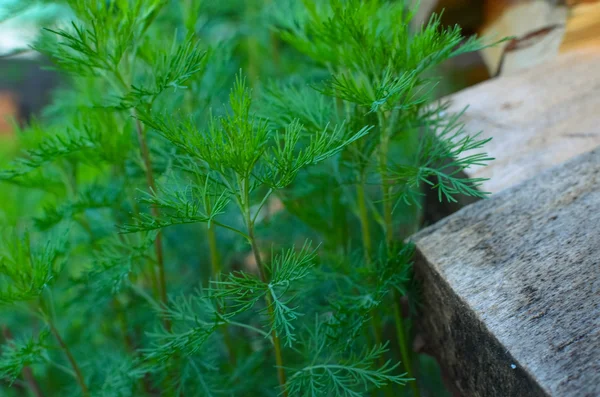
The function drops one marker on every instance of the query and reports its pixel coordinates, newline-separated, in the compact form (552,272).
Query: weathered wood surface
(542,28)
(537,118)
(583,26)
(538,24)
(511,287)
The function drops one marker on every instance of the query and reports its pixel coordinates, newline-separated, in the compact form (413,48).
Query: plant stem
(71,359)
(158,248)
(263,276)
(215,260)
(385,187)
(364,220)
(160,281)
(249,327)
(27,372)
(120,310)
(129,341)
(401,335)
(366,236)
(389,239)
(269,302)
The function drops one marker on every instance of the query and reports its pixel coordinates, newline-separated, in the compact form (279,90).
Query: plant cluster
(215,203)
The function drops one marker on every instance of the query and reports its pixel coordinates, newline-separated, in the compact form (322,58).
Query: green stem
(363,213)
(404,352)
(71,358)
(127,339)
(66,370)
(269,302)
(262,203)
(367,247)
(158,246)
(249,327)
(120,311)
(224,226)
(215,260)
(389,239)
(386,197)
(160,280)
(263,276)
(229,345)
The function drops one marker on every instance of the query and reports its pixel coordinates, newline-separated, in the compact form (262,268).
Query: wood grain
(537,118)
(583,26)
(544,29)
(519,19)
(511,287)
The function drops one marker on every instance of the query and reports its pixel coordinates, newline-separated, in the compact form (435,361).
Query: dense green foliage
(215,202)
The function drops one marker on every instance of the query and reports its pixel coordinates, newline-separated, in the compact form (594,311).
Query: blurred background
(542,29)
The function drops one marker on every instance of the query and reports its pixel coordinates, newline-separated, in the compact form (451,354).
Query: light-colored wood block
(537,118)
(538,26)
(511,287)
(583,26)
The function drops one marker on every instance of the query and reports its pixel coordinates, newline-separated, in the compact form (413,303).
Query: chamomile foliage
(156,256)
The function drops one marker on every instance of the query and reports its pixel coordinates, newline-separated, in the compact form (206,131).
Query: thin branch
(158,248)
(262,203)
(268,300)
(71,358)
(244,235)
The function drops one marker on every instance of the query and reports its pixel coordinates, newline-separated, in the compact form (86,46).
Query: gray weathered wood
(537,118)
(511,287)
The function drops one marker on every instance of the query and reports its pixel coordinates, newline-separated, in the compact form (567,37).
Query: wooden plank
(511,287)
(583,26)
(541,28)
(538,24)
(537,118)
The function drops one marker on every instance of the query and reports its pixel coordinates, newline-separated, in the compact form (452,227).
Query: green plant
(151,258)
